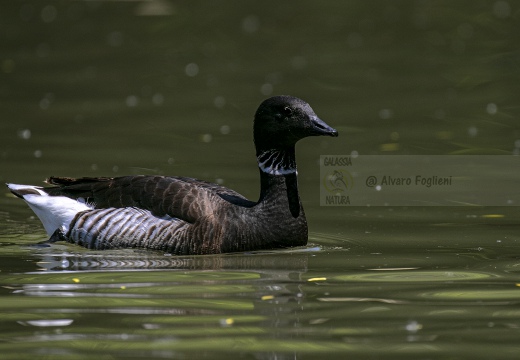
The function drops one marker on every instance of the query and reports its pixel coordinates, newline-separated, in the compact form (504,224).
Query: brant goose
(182,215)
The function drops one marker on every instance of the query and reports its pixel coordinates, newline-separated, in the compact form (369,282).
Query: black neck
(280,188)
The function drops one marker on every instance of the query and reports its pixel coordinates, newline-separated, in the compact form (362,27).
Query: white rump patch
(55,212)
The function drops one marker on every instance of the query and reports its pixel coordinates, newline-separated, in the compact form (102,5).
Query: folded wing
(178,197)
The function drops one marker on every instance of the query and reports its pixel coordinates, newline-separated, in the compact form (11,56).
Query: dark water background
(106,88)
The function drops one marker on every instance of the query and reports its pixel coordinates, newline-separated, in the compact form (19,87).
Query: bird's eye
(284,113)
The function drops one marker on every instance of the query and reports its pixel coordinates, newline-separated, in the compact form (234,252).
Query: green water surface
(108,88)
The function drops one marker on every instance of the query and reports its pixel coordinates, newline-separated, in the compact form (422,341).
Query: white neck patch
(276,162)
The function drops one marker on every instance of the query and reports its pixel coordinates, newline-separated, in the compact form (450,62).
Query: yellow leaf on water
(493,216)
(228,321)
(389,147)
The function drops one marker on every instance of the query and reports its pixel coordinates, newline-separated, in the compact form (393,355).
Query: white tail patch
(55,212)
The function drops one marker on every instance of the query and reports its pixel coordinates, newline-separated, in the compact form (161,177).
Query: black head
(281,121)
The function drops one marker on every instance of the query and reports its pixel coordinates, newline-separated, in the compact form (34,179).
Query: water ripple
(414,276)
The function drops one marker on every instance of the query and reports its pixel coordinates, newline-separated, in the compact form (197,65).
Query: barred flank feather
(124,228)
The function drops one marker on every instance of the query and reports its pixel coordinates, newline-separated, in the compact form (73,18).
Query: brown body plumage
(189,216)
